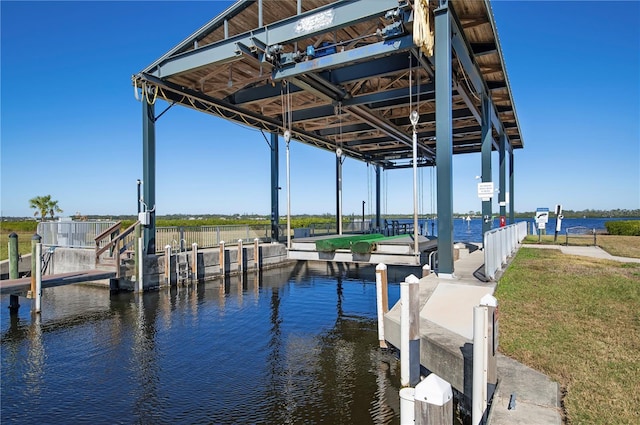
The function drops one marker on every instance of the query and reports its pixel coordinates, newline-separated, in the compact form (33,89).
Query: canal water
(287,346)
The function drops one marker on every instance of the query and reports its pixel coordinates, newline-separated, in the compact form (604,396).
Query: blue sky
(71,127)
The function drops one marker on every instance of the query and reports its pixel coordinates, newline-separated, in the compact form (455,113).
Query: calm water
(289,346)
(471,231)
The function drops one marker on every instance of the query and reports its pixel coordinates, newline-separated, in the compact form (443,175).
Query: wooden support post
(137,252)
(256,252)
(382,297)
(433,402)
(38,289)
(167,264)
(221,259)
(240,256)
(14,300)
(35,240)
(194,261)
(410,331)
(426,270)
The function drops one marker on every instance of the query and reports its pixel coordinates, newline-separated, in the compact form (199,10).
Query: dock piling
(167,264)
(38,286)
(256,252)
(485,345)
(433,402)
(194,261)
(382,297)
(140,254)
(410,331)
(35,240)
(240,256)
(14,300)
(221,258)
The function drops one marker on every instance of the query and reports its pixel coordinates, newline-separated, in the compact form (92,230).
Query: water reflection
(279,346)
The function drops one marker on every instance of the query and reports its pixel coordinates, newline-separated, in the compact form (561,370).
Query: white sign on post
(542,217)
(485,191)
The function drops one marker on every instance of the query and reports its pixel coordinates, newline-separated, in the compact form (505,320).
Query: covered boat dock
(393,83)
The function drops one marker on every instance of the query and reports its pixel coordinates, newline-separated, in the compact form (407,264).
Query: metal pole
(240,256)
(138,199)
(221,259)
(363,202)
(414,120)
(288,198)
(339,190)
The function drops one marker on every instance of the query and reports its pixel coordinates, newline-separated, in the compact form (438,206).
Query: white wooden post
(167,264)
(409,331)
(433,402)
(256,252)
(426,270)
(194,261)
(221,258)
(382,297)
(38,297)
(407,409)
(240,256)
(480,343)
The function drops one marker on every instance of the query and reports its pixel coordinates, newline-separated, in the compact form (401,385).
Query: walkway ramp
(22,285)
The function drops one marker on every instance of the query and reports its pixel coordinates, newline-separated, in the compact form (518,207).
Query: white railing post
(410,331)
(382,297)
(485,347)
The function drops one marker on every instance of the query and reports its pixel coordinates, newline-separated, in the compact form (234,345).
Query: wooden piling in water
(382,297)
(38,286)
(433,402)
(221,258)
(194,261)
(14,300)
(410,331)
(256,253)
(240,256)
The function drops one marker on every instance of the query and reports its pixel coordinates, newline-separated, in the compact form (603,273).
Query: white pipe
(38,300)
(240,256)
(407,406)
(480,340)
(167,264)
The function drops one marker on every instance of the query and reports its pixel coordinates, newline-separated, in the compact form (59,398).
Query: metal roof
(342,74)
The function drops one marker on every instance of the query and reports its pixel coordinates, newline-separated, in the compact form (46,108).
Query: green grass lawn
(577,320)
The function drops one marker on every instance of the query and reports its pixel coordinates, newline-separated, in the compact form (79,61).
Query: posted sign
(542,217)
(485,191)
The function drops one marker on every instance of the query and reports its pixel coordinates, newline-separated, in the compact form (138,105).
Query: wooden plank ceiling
(361,107)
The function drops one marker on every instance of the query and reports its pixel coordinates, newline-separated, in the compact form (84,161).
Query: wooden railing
(117,244)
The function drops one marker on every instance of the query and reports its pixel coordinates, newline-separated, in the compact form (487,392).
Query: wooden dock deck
(22,285)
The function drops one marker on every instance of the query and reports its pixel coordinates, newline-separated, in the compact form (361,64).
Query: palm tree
(44,205)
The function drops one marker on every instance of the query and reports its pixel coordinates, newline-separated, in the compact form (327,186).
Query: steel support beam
(149,173)
(463,52)
(275,188)
(378,200)
(486,148)
(346,58)
(444,139)
(511,190)
(317,21)
(503,187)
(339,193)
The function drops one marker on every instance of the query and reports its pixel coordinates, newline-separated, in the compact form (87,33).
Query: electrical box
(144,218)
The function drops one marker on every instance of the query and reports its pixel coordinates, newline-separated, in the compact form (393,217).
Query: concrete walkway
(585,251)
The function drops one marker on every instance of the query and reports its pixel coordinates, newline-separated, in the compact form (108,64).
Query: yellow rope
(422,27)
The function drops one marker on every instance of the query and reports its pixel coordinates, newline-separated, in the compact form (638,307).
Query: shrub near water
(624,228)
(577,320)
